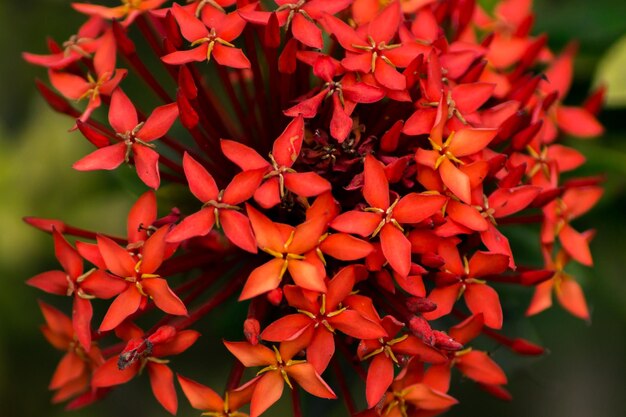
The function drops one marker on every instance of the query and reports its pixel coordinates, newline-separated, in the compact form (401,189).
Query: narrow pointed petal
(353,324)
(251,355)
(153,251)
(444,298)
(306,31)
(159,122)
(141,216)
(286,328)
(263,279)
(243,186)
(481,298)
(109,157)
(466,215)
(287,146)
(321,350)
(396,248)
(108,374)
(414,208)
(197,54)
(197,224)
(191,28)
(578,122)
(70,368)
(576,244)
(200,396)
(345,247)
(310,381)
(542,298)
(456,181)
(230,57)
(162,383)
(123,306)
(379,378)
(117,259)
(81,319)
(243,156)
(163,296)
(182,341)
(147,165)
(361,223)
(103,285)
(122,113)
(572,298)
(268,390)
(389,76)
(469,141)
(265,231)
(237,229)
(485,263)
(376,186)
(481,368)
(53,282)
(306,184)
(306,275)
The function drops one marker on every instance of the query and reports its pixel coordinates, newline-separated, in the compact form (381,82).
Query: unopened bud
(275,296)
(162,335)
(524,347)
(420,305)
(445,342)
(421,328)
(251,330)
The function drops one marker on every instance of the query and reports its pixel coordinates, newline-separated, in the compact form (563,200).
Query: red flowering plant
(358,167)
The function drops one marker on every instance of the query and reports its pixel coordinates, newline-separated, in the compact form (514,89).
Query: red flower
(279,368)
(135,138)
(319,316)
(204,398)
(82,286)
(209,38)
(147,352)
(129,9)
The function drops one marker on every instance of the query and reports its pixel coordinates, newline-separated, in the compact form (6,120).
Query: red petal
(414,208)
(507,201)
(542,298)
(200,397)
(197,224)
(162,383)
(243,186)
(159,122)
(123,306)
(163,296)
(481,298)
(122,113)
(572,298)
(81,319)
(576,245)
(438,377)
(268,390)
(455,180)
(103,285)
(353,324)
(243,156)
(182,341)
(321,349)
(361,223)
(117,260)
(306,31)
(70,368)
(396,248)
(263,279)
(578,122)
(485,263)
(198,54)
(467,216)
(379,378)
(230,57)
(470,141)
(108,374)
(384,26)
(287,146)
(376,186)
(306,184)
(70,85)
(345,247)
(53,282)
(267,234)
(306,275)
(480,367)
(445,298)
(310,381)
(153,251)
(237,229)
(109,157)
(191,27)
(251,355)
(147,165)
(345,35)
(286,328)
(388,76)
(142,214)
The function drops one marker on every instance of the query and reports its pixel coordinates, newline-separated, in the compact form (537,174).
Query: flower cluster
(355,166)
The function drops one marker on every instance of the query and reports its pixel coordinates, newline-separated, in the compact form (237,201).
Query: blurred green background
(583,376)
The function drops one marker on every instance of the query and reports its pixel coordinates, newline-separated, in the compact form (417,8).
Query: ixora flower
(354,162)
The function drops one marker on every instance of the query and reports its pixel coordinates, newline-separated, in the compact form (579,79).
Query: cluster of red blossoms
(357,165)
